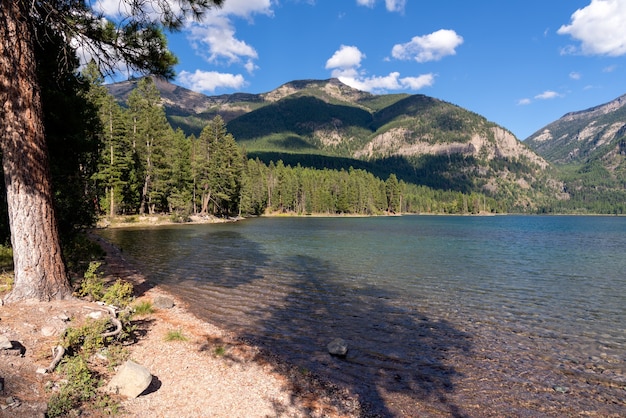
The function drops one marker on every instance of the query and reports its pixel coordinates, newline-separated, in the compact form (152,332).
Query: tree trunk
(39,268)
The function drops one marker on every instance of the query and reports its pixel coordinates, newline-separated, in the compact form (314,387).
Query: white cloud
(575,75)
(609,69)
(395,5)
(391,5)
(524,101)
(366,3)
(345,58)
(215,40)
(393,81)
(209,81)
(547,95)
(245,8)
(345,64)
(431,47)
(599,27)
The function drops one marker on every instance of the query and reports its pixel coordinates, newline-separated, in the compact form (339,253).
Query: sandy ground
(211,374)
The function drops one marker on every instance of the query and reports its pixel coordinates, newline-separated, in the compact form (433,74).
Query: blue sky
(521,64)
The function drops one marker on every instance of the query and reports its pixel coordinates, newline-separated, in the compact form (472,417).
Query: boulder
(131,380)
(5,343)
(338,347)
(162,302)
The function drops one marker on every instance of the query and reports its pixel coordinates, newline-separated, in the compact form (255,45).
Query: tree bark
(39,269)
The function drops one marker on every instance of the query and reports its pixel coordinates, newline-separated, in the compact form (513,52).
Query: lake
(444,316)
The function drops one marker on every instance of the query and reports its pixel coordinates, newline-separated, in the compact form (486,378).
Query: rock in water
(337,347)
(131,380)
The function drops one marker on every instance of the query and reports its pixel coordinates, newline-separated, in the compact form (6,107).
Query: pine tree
(217,170)
(151,136)
(135,39)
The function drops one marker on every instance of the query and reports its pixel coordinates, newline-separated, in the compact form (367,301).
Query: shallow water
(460,316)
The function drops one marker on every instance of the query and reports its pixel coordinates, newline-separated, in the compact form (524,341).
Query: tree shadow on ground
(398,360)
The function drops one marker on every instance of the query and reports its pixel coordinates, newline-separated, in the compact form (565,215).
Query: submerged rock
(338,347)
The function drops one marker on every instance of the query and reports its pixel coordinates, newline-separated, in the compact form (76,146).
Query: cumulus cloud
(547,95)
(393,81)
(215,40)
(345,64)
(431,47)
(345,58)
(209,81)
(524,101)
(599,27)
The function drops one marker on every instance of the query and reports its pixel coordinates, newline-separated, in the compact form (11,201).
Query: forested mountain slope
(587,134)
(589,149)
(325,123)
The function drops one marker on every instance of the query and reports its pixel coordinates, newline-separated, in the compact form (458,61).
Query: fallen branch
(57,353)
(59,350)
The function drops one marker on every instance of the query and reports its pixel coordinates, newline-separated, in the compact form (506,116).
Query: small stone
(338,347)
(63,317)
(561,389)
(5,343)
(48,331)
(131,380)
(95,314)
(162,302)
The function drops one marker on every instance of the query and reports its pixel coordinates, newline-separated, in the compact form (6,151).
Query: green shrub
(119,294)
(86,339)
(6,258)
(80,388)
(92,285)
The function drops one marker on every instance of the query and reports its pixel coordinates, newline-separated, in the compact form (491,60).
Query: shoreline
(132,221)
(290,391)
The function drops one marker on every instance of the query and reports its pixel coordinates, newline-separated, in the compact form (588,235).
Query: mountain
(327,124)
(579,136)
(588,148)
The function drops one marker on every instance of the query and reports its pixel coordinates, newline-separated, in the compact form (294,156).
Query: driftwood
(59,350)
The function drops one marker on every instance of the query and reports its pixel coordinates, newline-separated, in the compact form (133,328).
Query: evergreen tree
(137,40)
(392,190)
(151,136)
(217,170)
(115,157)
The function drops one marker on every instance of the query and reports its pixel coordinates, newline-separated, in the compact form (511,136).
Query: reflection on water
(430,306)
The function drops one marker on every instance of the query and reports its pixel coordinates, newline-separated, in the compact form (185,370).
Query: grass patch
(219,351)
(175,335)
(6,281)
(143,308)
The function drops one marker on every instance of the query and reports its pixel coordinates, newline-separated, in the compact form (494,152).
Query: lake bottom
(506,316)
